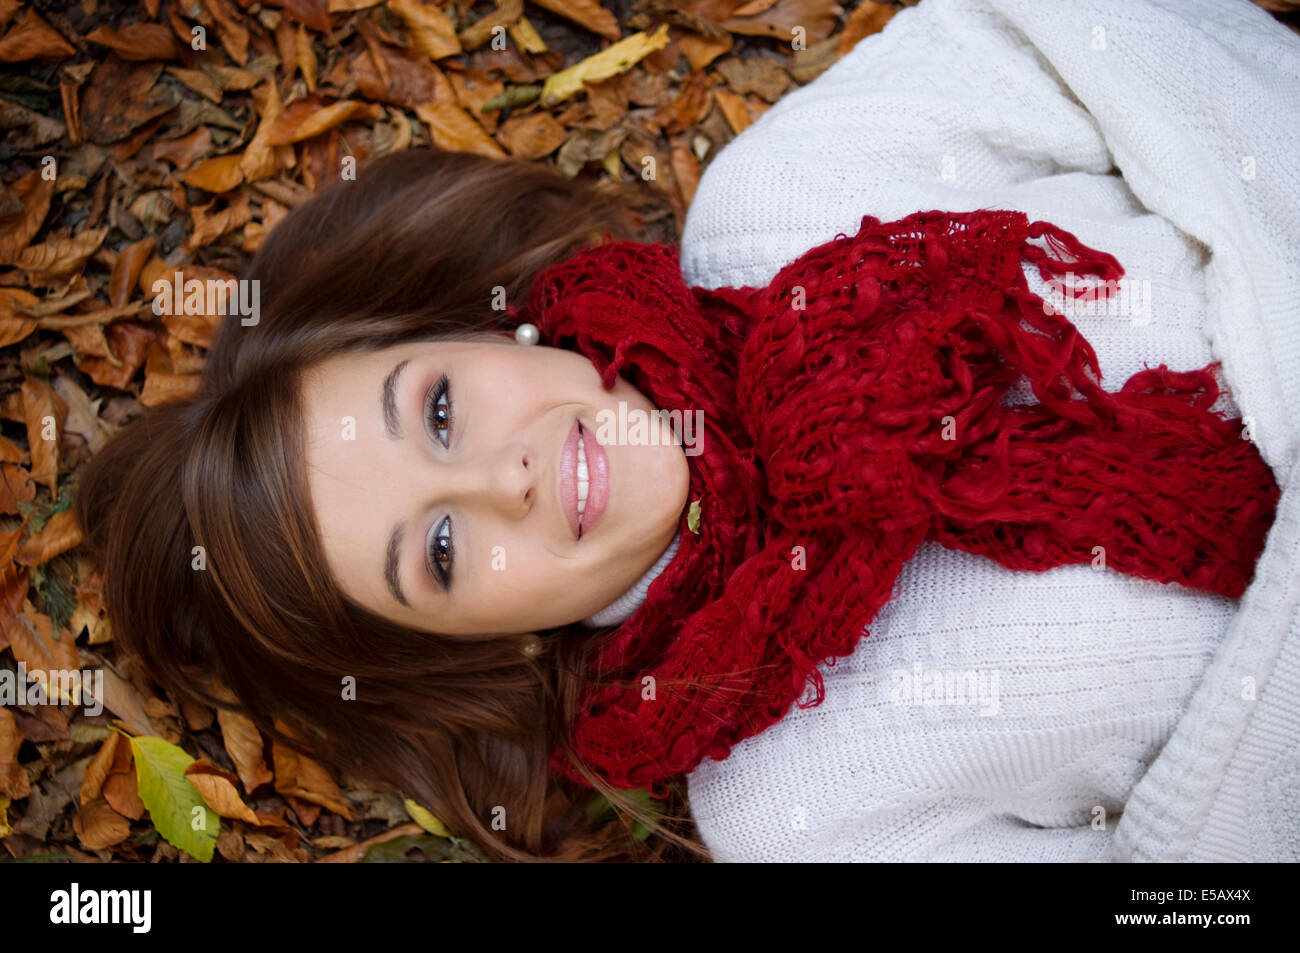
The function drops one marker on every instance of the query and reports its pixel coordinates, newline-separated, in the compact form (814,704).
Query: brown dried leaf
(120,97)
(244,745)
(33,39)
(45,413)
(432,33)
(230,29)
(218,174)
(302,777)
(121,788)
(13,326)
(307,117)
(46,263)
(454,130)
(184,151)
(34,191)
(92,783)
(99,826)
(128,346)
(217,788)
(126,270)
(14,782)
(16,486)
(533,136)
(588,13)
(60,533)
(138,41)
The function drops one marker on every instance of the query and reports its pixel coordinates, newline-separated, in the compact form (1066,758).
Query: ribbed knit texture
(630,601)
(1114,694)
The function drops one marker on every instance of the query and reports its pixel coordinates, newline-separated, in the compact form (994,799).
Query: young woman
(431,557)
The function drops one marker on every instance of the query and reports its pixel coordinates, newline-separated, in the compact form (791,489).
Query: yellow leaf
(425,819)
(610,61)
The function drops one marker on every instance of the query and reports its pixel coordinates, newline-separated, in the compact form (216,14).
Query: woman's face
(453,508)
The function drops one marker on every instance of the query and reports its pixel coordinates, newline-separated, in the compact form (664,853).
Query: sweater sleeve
(947,107)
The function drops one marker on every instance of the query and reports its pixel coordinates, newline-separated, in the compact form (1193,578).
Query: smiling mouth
(584,480)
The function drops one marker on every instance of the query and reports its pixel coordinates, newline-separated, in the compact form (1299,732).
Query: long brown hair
(199,514)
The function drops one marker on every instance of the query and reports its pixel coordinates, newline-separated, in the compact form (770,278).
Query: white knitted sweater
(1088,715)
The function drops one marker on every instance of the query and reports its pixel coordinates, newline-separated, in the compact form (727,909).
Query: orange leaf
(59,535)
(244,745)
(218,174)
(217,788)
(588,13)
(307,117)
(13,326)
(259,160)
(126,270)
(99,826)
(121,789)
(44,412)
(432,33)
(302,777)
(35,191)
(33,39)
(14,783)
(92,783)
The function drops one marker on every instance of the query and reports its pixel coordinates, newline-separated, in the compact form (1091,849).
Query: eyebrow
(393,425)
(390,564)
(388,401)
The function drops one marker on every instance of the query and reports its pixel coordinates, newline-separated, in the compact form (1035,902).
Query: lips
(581,451)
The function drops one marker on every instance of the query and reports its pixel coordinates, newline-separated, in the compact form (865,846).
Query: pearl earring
(527,334)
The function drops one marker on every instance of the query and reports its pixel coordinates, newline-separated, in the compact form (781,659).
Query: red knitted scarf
(853,408)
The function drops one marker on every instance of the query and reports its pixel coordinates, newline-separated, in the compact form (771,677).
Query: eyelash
(439,393)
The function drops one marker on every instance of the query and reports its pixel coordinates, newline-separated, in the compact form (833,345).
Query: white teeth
(584,480)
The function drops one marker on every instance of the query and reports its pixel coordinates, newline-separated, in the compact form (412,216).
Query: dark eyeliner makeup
(438,420)
(440,553)
(438,411)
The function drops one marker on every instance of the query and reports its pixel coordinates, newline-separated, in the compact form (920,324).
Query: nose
(504,479)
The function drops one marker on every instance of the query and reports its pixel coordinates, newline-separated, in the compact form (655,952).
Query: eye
(437,411)
(440,553)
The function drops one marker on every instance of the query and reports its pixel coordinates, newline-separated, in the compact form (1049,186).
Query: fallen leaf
(59,534)
(218,789)
(99,826)
(174,804)
(138,41)
(45,412)
(588,13)
(432,33)
(308,117)
(92,783)
(35,192)
(244,744)
(303,777)
(612,60)
(218,174)
(14,782)
(33,39)
(454,130)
